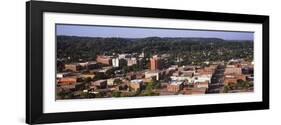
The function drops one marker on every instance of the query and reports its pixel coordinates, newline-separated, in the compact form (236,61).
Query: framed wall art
(95,62)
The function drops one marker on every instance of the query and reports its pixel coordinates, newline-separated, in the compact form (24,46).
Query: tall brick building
(155,63)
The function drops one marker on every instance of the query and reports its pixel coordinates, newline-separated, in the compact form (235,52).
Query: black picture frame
(34,61)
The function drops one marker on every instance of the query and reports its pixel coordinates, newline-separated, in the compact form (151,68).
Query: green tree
(226,88)
(116,94)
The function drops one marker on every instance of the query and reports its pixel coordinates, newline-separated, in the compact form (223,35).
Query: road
(216,85)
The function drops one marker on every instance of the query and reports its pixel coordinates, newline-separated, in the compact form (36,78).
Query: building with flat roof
(175,86)
(193,91)
(124,56)
(67,80)
(73,67)
(233,70)
(104,60)
(201,84)
(233,78)
(112,81)
(152,74)
(136,84)
(131,61)
(87,75)
(202,78)
(71,86)
(181,78)
(155,63)
(102,84)
(62,74)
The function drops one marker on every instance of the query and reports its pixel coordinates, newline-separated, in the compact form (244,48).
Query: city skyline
(103,66)
(137,32)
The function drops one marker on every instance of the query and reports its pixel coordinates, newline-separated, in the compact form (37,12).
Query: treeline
(191,49)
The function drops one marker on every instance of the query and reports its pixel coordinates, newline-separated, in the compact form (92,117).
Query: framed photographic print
(95,62)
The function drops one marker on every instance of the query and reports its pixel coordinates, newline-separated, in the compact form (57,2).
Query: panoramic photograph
(114,62)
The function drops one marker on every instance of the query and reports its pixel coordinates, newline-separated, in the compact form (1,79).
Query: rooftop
(176,82)
(137,81)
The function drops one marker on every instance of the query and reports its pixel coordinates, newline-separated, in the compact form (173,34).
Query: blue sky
(133,32)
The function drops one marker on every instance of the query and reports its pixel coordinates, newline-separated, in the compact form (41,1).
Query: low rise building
(62,74)
(131,76)
(233,74)
(67,80)
(71,86)
(202,78)
(201,84)
(140,75)
(136,84)
(101,84)
(110,82)
(105,69)
(122,87)
(87,76)
(233,70)
(233,79)
(152,74)
(124,56)
(173,67)
(75,67)
(91,65)
(193,91)
(104,60)
(131,61)
(175,86)
(181,78)
(176,73)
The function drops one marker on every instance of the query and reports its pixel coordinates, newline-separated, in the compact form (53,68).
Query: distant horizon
(158,37)
(138,32)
